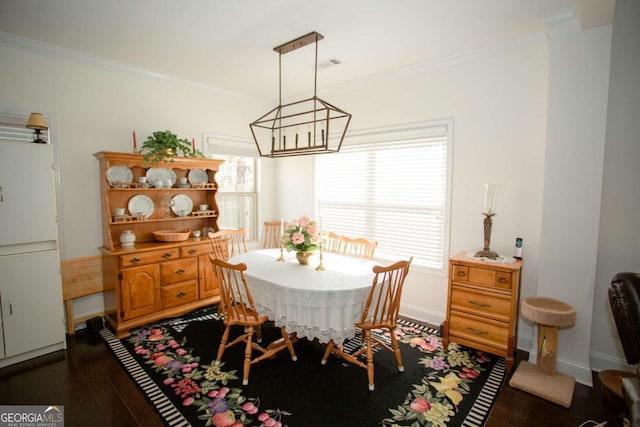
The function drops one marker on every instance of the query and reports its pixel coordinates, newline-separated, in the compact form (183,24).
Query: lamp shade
(490,192)
(37,121)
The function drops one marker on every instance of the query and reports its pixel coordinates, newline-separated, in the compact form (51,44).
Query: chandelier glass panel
(309,126)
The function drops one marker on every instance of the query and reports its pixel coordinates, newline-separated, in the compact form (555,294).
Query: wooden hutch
(156,279)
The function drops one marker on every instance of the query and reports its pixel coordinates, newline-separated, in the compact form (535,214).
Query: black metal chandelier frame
(323,124)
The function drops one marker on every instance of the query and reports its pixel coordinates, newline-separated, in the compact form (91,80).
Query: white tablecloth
(313,304)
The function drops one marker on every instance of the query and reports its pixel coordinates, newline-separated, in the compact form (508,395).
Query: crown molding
(559,19)
(104,63)
(421,67)
(455,59)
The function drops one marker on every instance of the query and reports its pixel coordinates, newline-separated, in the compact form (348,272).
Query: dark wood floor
(96,391)
(515,407)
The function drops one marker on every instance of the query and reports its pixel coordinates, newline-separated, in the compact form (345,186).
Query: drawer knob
(192,251)
(180,271)
(502,280)
(181,295)
(479,304)
(477,331)
(134,260)
(167,255)
(461,273)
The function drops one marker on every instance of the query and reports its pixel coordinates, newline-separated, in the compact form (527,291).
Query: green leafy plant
(163,146)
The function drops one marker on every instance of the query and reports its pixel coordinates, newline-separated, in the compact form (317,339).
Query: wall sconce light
(490,192)
(38,123)
(309,126)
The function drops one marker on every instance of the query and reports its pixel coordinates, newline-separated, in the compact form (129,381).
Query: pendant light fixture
(309,126)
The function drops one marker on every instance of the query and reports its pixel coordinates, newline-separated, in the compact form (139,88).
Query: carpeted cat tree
(542,379)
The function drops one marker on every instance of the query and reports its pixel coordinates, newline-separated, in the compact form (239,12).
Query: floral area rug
(172,362)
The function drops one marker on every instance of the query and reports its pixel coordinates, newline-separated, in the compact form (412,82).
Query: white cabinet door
(31,292)
(27,201)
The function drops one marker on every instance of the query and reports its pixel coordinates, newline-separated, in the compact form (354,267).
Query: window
(391,185)
(237,184)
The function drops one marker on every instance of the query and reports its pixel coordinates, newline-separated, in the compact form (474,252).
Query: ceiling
(228,44)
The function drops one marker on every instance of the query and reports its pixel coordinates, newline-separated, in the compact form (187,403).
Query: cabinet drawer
(179,293)
(179,270)
(196,250)
(484,304)
(142,258)
(482,276)
(478,330)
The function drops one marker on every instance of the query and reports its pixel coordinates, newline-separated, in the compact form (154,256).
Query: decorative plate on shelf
(119,174)
(156,174)
(198,176)
(182,205)
(141,205)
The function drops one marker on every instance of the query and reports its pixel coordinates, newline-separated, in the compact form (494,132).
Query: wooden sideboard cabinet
(154,280)
(482,305)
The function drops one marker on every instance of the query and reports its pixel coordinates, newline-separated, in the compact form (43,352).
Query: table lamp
(490,192)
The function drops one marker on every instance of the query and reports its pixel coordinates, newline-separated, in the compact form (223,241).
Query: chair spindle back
(221,244)
(383,302)
(235,298)
(354,247)
(271,236)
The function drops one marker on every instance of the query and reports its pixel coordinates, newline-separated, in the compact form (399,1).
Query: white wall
(96,108)
(498,102)
(578,86)
(619,238)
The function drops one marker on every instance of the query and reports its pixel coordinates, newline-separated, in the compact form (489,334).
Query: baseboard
(32,354)
(601,362)
(418,313)
(581,373)
(524,342)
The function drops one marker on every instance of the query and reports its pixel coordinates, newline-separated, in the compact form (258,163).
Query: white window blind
(393,190)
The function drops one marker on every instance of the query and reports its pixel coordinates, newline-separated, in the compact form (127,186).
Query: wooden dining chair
(359,247)
(221,243)
(333,243)
(271,235)
(380,312)
(237,241)
(238,309)
(355,247)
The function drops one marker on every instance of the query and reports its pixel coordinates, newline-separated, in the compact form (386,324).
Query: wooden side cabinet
(482,305)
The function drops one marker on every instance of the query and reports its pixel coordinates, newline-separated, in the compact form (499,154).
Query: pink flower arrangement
(301,234)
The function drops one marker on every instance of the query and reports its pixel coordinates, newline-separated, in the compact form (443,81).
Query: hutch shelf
(153,280)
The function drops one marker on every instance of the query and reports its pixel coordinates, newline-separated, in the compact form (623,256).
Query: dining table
(313,303)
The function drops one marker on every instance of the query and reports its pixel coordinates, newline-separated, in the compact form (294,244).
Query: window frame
(217,146)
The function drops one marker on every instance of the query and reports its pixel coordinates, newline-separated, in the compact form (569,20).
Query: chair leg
(287,342)
(370,365)
(223,344)
(396,350)
(247,356)
(327,352)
